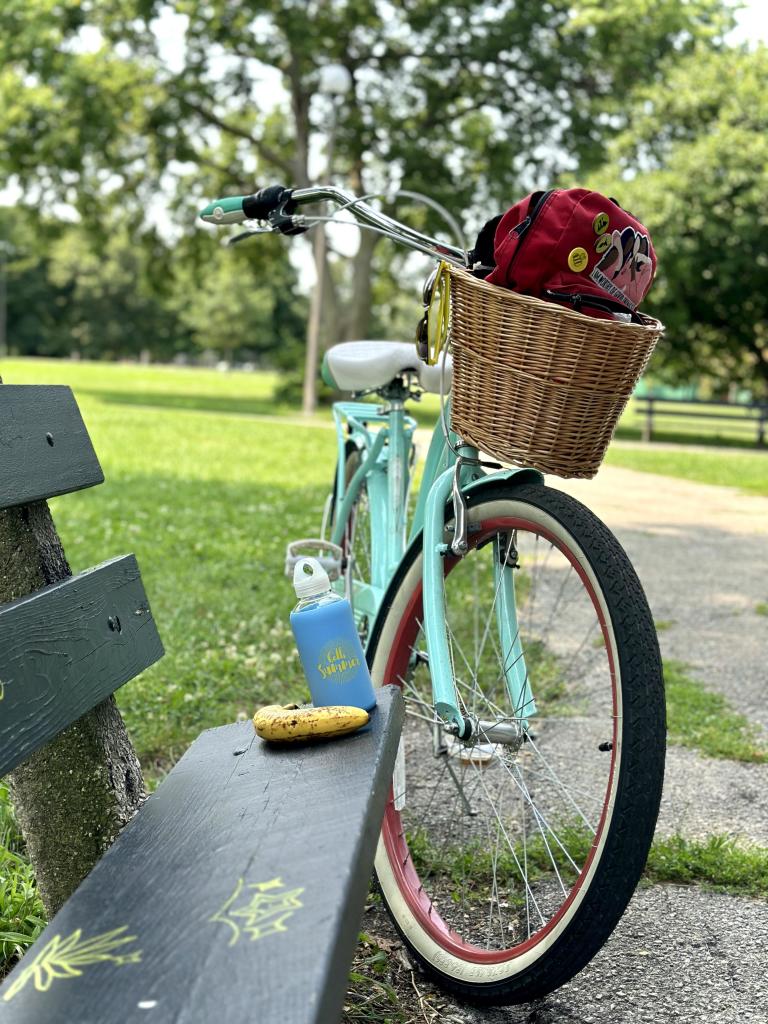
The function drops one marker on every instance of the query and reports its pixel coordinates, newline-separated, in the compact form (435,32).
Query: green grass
(702,719)
(207,503)
(159,387)
(735,430)
(718,863)
(371,996)
(747,471)
(155,386)
(761,608)
(21,913)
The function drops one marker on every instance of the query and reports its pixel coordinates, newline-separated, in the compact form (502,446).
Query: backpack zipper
(579,299)
(522,229)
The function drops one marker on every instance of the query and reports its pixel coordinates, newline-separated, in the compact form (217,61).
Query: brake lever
(247,234)
(283,220)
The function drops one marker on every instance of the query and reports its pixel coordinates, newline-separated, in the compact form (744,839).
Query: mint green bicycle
(529,774)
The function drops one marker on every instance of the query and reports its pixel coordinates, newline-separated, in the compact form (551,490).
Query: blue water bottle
(329,647)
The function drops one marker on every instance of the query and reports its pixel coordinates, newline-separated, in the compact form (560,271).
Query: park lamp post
(335,82)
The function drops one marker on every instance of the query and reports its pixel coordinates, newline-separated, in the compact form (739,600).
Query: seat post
(397,483)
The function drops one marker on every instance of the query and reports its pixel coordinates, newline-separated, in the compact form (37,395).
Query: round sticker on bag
(600,223)
(578,259)
(603,243)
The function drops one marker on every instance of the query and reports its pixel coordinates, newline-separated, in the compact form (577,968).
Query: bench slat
(701,401)
(237,890)
(44,446)
(65,648)
(735,420)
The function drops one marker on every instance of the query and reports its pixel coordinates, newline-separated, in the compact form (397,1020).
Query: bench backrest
(66,647)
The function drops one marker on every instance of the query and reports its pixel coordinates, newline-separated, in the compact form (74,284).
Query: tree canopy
(466,99)
(70,293)
(697,153)
(109,121)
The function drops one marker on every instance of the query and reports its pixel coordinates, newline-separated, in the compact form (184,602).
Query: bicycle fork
(452,482)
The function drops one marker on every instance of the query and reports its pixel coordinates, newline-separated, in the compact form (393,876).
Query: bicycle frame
(385,461)
(385,471)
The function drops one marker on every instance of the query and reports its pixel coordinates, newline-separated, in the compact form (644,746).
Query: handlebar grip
(236,209)
(266,201)
(228,210)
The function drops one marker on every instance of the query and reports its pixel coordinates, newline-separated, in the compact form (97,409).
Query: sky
(753,21)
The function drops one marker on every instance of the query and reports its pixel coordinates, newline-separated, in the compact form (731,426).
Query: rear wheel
(506,865)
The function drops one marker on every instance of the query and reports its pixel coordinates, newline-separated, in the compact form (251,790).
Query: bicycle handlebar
(278,206)
(260,205)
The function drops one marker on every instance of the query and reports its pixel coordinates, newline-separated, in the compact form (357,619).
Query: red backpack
(570,246)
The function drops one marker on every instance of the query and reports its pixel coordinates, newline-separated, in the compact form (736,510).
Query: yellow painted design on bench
(65,958)
(264,911)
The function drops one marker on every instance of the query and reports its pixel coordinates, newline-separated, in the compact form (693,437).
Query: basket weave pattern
(537,384)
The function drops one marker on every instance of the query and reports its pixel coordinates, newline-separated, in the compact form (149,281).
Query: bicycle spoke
(515,776)
(493,605)
(565,791)
(511,848)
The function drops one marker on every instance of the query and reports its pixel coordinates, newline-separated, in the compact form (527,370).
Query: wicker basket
(537,384)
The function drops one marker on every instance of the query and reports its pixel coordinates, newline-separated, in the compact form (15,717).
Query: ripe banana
(291,723)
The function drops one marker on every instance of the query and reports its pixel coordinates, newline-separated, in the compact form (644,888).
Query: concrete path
(702,555)
(679,954)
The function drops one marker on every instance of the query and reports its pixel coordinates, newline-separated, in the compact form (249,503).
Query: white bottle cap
(310,583)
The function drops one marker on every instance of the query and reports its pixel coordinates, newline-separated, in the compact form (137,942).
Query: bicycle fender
(520,475)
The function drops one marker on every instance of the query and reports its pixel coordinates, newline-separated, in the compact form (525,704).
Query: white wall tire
(533,967)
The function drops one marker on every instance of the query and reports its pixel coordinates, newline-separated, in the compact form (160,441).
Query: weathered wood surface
(44,446)
(67,647)
(235,894)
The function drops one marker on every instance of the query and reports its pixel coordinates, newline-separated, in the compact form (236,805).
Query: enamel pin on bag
(570,246)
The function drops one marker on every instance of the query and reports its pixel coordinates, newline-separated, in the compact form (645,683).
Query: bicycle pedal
(327,554)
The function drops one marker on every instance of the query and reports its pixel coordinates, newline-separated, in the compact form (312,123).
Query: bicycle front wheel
(505,863)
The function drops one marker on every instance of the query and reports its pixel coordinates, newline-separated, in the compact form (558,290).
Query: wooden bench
(753,415)
(237,890)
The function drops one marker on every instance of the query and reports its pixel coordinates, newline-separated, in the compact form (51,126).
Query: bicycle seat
(360,365)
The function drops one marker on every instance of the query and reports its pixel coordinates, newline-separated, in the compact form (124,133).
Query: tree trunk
(309,395)
(329,330)
(72,797)
(357,319)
